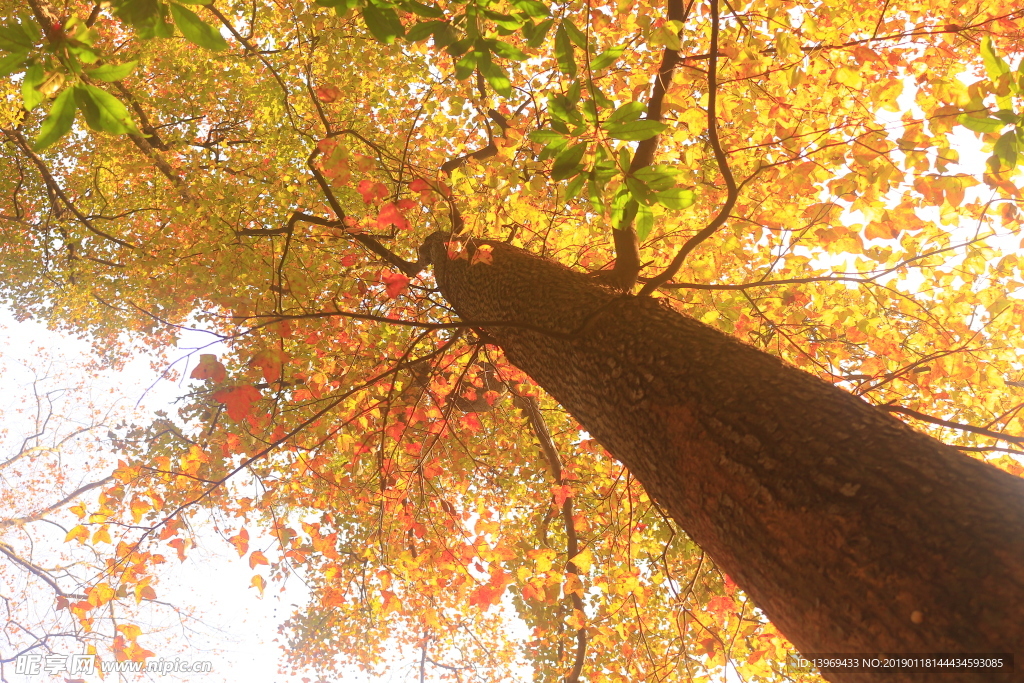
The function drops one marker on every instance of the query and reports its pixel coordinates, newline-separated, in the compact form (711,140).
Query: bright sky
(234,628)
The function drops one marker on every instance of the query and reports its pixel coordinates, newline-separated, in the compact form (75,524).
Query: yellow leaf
(847,75)
(583,560)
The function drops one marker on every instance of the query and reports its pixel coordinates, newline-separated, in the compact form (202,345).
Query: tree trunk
(852,531)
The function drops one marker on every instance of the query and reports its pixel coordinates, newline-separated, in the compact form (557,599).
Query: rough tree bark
(852,531)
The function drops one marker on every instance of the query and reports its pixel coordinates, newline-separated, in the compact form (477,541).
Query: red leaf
(209,368)
(328,93)
(420,185)
(390,215)
(561,493)
(238,400)
(371,190)
(395,284)
(270,363)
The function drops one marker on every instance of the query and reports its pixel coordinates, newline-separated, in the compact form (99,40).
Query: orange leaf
(328,93)
(209,368)
(270,362)
(390,215)
(179,544)
(100,595)
(395,284)
(371,191)
(238,400)
(256,558)
(240,541)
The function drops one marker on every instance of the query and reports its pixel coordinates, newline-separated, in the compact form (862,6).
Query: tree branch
(953,425)
(55,188)
(547,444)
(627,247)
(720,159)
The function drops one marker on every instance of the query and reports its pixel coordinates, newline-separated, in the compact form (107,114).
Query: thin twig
(720,159)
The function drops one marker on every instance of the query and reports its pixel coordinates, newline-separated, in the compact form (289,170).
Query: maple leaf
(371,191)
(240,541)
(209,368)
(561,493)
(395,284)
(328,93)
(257,558)
(270,362)
(238,400)
(390,215)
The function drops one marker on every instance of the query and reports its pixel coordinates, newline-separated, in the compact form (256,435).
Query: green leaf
(574,186)
(567,164)
(607,58)
(503,49)
(553,141)
(624,208)
(506,21)
(595,191)
(112,72)
(496,77)
(564,109)
(546,137)
(575,35)
(137,12)
(196,30)
(532,8)
(634,130)
(979,125)
(464,67)
(383,23)
(639,190)
(1006,148)
(677,198)
(1008,116)
(12,63)
(458,48)
(658,177)
(30,28)
(422,30)
(994,64)
(14,38)
(535,35)
(103,111)
(429,11)
(563,52)
(644,222)
(30,93)
(58,122)
(630,111)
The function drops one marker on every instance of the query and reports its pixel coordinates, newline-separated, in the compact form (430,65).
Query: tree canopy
(831,182)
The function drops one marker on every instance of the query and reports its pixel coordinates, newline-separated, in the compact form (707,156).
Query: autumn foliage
(840,177)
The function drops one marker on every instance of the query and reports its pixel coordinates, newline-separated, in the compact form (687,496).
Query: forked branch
(732,191)
(627,247)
